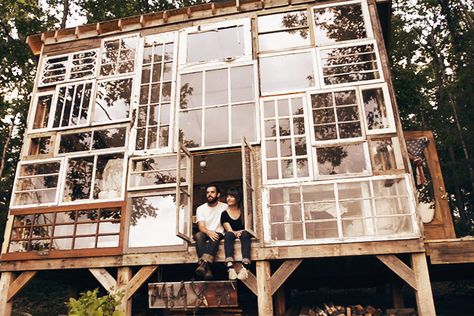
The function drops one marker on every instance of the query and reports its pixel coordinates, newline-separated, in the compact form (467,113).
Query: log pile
(329,309)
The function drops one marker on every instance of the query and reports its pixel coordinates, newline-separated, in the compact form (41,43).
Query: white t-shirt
(211,216)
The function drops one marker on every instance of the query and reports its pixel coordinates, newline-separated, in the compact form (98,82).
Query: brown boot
(208,275)
(201,269)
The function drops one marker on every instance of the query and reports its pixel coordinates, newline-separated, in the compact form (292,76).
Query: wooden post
(124,275)
(280,303)
(424,296)
(265,304)
(5,305)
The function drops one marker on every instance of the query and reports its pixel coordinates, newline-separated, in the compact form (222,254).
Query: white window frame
(292,52)
(340,239)
(344,45)
(37,161)
(183,39)
(94,100)
(67,74)
(92,200)
(156,186)
(365,15)
(311,122)
(388,104)
(55,104)
(160,39)
(278,158)
(102,50)
(229,104)
(32,114)
(399,165)
(57,144)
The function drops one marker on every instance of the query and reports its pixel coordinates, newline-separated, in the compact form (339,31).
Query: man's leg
(201,243)
(211,249)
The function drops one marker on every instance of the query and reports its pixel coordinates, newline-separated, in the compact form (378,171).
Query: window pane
(216,87)
(339,23)
(341,159)
(75,142)
(113,100)
(72,105)
(43,106)
(54,69)
(243,122)
(107,241)
(282,21)
(242,84)
(216,126)
(62,244)
(191,91)
(153,222)
(40,146)
(287,231)
(215,44)
(376,113)
(317,230)
(108,177)
(154,171)
(190,128)
(295,72)
(84,242)
(394,225)
(386,154)
(78,179)
(83,65)
(109,138)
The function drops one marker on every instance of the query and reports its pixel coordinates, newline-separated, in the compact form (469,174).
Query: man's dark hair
(235,192)
(218,190)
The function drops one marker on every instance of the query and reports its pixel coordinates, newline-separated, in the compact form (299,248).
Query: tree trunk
(66,5)
(6,145)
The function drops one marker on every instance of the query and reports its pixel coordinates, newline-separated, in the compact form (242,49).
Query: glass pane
(153,171)
(41,231)
(40,146)
(113,100)
(320,211)
(75,142)
(109,227)
(282,21)
(295,72)
(84,242)
(394,225)
(87,215)
(109,176)
(40,245)
(375,109)
(191,91)
(39,168)
(153,222)
(216,126)
(83,65)
(242,84)
(243,122)
(356,208)
(390,187)
(37,197)
(386,154)
(20,233)
(86,229)
(63,230)
(107,241)
(217,91)
(216,44)
(341,159)
(394,206)
(353,190)
(287,231)
(62,244)
(18,246)
(272,170)
(284,195)
(318,230)
(43,107)
(357,228)
(190,128)
(324,192)
(339,23)
(78,179)
(282,40)
(65,217)
(109,138)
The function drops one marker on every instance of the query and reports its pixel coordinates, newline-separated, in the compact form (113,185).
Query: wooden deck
(451,251)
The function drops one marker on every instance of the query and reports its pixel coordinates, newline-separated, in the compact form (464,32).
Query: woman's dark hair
(235,193)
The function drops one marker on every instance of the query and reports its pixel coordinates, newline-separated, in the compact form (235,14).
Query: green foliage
(89,304)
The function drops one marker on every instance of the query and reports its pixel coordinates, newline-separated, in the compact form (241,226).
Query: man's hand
(213,235)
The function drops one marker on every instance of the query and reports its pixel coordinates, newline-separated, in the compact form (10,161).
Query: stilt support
(280,302)
(125,283)
(265,304)
(9,287)
(417,277)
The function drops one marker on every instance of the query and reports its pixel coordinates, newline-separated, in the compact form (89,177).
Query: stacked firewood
(329,309)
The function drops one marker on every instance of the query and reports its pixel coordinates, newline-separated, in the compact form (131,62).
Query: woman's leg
(245,239)
(229,239)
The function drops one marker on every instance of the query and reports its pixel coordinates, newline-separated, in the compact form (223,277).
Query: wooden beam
(19,283)
(138,279)
(453,251)
(105,279)
(264,298)
(400,268)
(282,274)
(5,305)
(424,295)
(251,281)
(124,275)
(280,302)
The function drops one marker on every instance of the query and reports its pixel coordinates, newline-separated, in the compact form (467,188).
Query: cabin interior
(291,101)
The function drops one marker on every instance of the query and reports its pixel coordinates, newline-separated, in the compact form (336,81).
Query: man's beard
(213,201)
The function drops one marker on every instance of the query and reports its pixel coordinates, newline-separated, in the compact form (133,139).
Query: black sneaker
(201,269)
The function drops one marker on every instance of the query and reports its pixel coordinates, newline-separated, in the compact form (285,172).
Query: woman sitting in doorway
(232,220)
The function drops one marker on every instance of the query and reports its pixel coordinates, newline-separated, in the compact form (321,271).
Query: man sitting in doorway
(208,217)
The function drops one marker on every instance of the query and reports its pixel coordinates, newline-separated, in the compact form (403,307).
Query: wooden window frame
(31,117)
(164,248)
(84,252)
(158,39)
(291,136)
(95,155)
(30,162)
(341,238)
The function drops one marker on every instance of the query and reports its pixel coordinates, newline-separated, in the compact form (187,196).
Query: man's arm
(212,234)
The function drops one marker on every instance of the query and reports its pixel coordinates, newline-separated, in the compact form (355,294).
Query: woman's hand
(238,233)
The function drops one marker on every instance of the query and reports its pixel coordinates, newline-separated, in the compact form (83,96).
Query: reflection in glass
(284,30)
(190,128)
(339,23)
(72,105)
(376,113)
(112,100)
(386,154)
(109,138)
(78,179)
(341,160)
(215,44)
(318,230)
(54,69)
(39,146)
(83,65)
(75,142)
(37,183)
(155,171)
(108,176)
(153,222)
(295,72)
(43,106)
(191,91)
(118,56)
